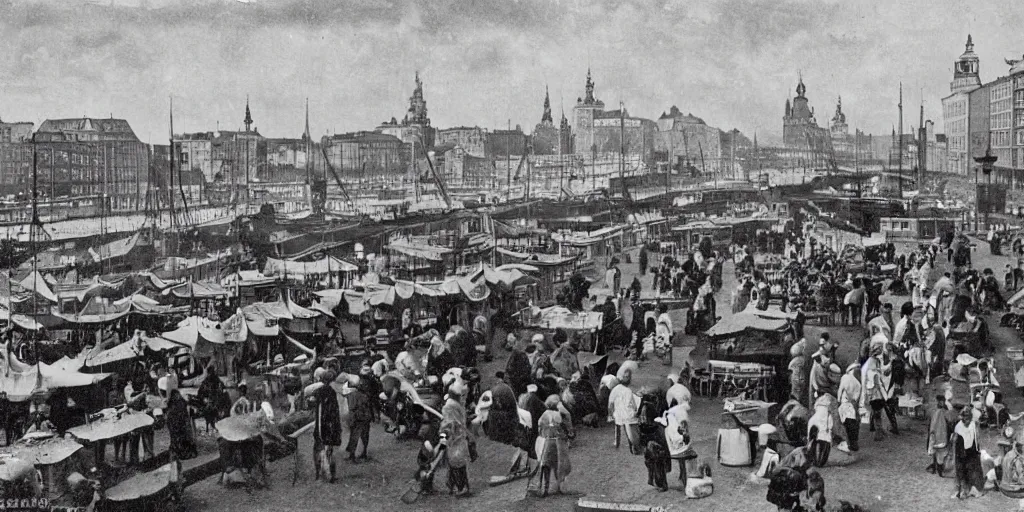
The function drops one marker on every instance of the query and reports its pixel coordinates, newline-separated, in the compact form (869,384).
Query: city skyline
(482,63)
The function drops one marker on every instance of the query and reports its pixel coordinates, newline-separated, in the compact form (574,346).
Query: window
(904,226)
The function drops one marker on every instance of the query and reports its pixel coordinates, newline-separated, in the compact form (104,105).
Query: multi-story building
(800,129)
(368,157)
(473,140)
(465,171)
(956,114)
(195,153)
(15,132)
(286,159)
(1017,76)
(597,133)
(683,140)
(88,156)
(238,157)
(1000,128)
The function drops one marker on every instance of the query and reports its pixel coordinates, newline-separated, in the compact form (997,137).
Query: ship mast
(900,149)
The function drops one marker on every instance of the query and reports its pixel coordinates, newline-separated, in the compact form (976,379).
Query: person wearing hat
(819,431)
(552,446)
(517,368)
(849,405)
(943,420)
(825,375)
(327,429)
(362,413)
(677,393)
(456,438)
(461,345)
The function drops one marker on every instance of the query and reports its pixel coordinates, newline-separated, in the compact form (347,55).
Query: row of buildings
(979,116)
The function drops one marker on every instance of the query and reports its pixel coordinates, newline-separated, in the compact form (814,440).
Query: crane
(327,161)
(440,183)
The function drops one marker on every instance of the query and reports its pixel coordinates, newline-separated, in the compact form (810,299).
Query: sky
(487,62)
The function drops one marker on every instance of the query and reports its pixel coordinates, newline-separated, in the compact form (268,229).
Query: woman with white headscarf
(849,405)
(623,405)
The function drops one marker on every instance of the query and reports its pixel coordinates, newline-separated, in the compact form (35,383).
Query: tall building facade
(473,140)
(685,140)
(799,127)
(368,157)
(956,107)
(15,132)
(600,132)
(90,156)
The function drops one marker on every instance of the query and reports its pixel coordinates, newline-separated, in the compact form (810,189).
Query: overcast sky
(483,62)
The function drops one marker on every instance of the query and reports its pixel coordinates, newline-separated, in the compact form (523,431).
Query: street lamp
(986,163)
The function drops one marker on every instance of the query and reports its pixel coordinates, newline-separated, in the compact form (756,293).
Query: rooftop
(109,126)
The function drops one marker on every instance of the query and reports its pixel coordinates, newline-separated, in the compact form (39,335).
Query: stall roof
(198,290)
(34,282)
(558,317)
(20,380)
(537,259)
(741,322)
(45,451)
(427,252)
(276,267)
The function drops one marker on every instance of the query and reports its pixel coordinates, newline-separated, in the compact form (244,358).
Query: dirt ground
(888,475)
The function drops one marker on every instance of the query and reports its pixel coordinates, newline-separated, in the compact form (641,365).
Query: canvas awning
(43,452)
(426,252)
(98,311)
(128,350)
(741,322)
(34,282)
(558,317)
(198,290)
(20,380)
(329,264)
(115,249)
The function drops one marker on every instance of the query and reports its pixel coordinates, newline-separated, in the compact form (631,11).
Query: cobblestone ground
(889,475)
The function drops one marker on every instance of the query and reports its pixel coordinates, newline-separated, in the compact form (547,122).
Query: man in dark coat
(327,434)
(462,347)
(362,413)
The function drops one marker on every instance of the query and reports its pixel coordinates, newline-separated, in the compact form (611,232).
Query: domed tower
(966,70)
(586,110)
(839,126)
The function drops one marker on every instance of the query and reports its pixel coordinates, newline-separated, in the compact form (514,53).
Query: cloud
(732,62)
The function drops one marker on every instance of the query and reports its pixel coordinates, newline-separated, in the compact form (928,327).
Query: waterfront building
(472,140)
(600,134)
(87,157)
(956,112)
(368,157)
(685,140)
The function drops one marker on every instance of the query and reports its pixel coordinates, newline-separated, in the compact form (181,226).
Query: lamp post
(986,163)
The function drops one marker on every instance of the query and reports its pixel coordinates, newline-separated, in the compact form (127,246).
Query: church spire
(306,135)
(248,115)
(546,118)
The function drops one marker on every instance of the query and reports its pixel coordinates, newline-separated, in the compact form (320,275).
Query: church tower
(586,110)
(966,75)
(248,116)
(546,119)
(839,127)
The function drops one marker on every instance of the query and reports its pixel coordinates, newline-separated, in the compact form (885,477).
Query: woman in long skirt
(553,446)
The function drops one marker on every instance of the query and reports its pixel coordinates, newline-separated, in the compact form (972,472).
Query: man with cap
(327,433)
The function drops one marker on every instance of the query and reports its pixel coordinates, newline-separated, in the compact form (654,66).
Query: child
(815,490)
(657,461)
(969,478)
(427,462)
